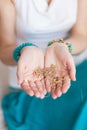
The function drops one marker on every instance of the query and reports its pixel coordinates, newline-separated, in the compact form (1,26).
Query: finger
(58,91)
(53,93)
(44,88)
(34,88)
(48,86)
(27,88)
(66,84)
(40,88)
(71,69)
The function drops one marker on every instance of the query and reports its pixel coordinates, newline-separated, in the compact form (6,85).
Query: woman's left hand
(57,54)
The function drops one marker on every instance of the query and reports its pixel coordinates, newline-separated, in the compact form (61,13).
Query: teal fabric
(69,112)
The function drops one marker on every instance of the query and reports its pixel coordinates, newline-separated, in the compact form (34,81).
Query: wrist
(27,48)
(79,43)
(17,52)
(61,43)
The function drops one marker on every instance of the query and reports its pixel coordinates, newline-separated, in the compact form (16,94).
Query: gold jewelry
(38,72)
(25,80)
(67,44)
(50,74)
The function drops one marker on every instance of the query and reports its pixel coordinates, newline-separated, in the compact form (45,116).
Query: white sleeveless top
(39,23)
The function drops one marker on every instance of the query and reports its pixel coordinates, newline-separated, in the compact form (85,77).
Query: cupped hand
(31,58)
(57,54)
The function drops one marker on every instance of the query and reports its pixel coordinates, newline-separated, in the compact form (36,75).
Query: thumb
(71,70)
(20,73)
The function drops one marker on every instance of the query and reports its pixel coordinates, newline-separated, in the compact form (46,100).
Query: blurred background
(4,76)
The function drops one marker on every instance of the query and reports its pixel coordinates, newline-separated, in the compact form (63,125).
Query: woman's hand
(58,55)
(31,58)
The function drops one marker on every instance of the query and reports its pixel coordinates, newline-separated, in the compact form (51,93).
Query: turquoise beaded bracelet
(16,52)
(68,44)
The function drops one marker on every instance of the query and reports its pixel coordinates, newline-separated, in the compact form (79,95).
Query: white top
(39,23)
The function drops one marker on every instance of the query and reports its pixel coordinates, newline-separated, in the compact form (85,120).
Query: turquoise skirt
(69,112)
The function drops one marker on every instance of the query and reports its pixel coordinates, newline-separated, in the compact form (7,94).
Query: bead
(61,40)
(68,44)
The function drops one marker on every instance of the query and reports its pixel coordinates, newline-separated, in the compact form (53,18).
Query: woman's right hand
(31,59)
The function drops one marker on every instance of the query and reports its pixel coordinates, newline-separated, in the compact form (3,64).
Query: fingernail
(60,95)
(45,92)
(42,97)
(31,94)
(55,97)
(75,79)
(37,96)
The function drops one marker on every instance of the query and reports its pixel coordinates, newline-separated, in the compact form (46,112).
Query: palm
(31,59)
(60,57)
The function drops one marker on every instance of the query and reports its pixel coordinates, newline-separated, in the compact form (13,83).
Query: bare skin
(60,57)
(49,1)
(78,39)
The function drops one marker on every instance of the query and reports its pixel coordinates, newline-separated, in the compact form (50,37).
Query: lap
(31,113)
